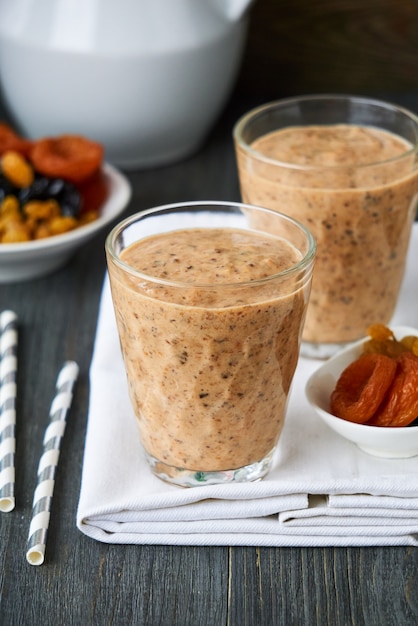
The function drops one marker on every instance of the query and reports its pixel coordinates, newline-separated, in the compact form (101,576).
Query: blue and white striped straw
(42,498)
(8,371)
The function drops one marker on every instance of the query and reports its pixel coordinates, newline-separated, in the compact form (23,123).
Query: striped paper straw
(54,433)
(8,370)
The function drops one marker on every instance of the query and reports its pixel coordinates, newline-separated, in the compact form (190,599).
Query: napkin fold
(321,491)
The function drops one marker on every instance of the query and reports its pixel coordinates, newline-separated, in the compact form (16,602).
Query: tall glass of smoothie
(210,310)
(346,167)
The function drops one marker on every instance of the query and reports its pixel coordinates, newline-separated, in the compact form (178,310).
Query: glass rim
(240,124)
(307,258)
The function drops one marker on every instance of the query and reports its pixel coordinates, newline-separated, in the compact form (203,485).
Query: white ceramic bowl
(32,259)
(375,440)
(159,72)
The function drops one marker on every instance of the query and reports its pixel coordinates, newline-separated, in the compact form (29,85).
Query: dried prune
(44,188)
(400,406)
(362,386)
(6,187)
(70,200)
(71,157)
(38,190)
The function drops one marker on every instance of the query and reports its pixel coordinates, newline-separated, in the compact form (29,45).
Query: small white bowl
(32,259)
(395,443)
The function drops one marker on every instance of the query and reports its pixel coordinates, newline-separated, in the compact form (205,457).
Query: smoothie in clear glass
(346,168)
(210,312)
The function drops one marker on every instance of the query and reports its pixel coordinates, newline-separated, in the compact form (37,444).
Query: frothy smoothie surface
(209,369)
(334,145)
(211,256)
(357,194)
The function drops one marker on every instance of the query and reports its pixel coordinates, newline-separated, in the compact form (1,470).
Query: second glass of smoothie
(346,167)
(210,310)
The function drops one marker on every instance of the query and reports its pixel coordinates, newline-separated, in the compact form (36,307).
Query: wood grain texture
(352,46)
(84,582)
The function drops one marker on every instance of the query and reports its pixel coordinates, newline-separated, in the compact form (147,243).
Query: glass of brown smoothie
(346,167)
(210,310)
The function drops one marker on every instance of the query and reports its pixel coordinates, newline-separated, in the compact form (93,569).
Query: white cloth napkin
(322,490)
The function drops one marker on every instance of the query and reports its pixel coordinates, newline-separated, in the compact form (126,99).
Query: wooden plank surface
(352,46)
(85,582)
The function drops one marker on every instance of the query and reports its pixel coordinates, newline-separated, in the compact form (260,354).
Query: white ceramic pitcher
(147,78)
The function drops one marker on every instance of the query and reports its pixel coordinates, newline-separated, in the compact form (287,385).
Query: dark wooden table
(84,582)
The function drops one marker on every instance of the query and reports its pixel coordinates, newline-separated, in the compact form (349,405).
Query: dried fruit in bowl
(380,388)
(71,157)
(362,387)
(93,191)
(383,341)
(64,172)
(17,169)
(400,407)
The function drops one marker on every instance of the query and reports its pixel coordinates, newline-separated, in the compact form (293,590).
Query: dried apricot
(400,406)
(94,192)
(71,157)
(9,140)
(362,387)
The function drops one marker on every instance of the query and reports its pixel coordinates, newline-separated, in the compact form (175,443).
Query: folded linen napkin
(321,491)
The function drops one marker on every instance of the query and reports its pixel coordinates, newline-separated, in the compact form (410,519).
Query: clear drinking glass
(210,310)
(346,167)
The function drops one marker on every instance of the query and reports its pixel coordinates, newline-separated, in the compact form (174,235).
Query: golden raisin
(383,341)
(10,207)
(16,232)
(362,386)
(391,348)
(41,231)
(380,332)
(8,220)
(410,342)
(15,167)
(41,209)
(62,224)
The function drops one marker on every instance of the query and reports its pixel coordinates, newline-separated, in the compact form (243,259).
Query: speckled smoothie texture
(209,367)
(361,217)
